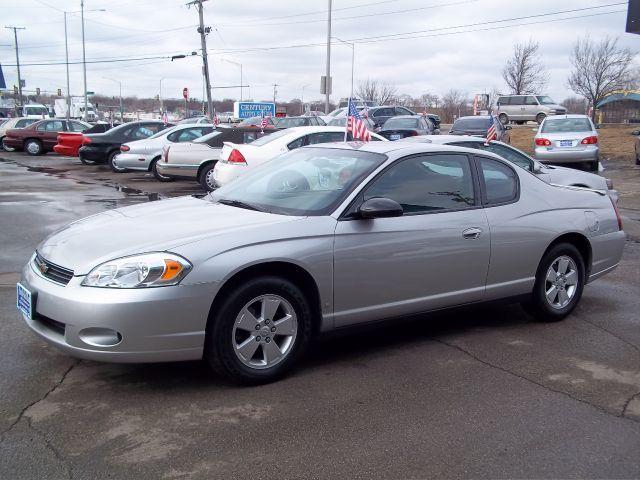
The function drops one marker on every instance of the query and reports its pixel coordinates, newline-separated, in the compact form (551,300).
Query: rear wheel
(504,119)
(205,177)
(112,165)
(260,331)
(540,117)
(157,174)
(33,146)
(7,148)
(593,166)
(559,284)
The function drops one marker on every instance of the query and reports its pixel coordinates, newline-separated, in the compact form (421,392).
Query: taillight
(165,154)
(86,140)
(542,142)
(618,217)
(589,141)
(236,157)
(124,148)
(413,133)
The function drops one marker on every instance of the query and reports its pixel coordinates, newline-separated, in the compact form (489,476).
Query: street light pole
(84,63)
(66,60)
(328,72)
(353,58)
(15,36)
(302,99)
(205,62)
(161,100)
(121,105)
(240,65)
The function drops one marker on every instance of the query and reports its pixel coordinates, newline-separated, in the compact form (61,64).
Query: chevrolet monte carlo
(318,239)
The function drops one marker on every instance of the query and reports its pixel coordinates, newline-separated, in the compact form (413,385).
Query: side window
(297,143)
(76,127)
(24,123)
(500,181)
(505,152)
(186,135)
(530,100)
(517,100)
(383,112)
(53,126)
(42,127)
(503,101)
(403,111)
(427,183)
(325,137)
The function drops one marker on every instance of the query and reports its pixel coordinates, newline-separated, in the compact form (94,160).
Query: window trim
(483,189)
(348,213)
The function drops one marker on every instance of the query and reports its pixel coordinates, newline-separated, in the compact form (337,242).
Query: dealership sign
(254,109)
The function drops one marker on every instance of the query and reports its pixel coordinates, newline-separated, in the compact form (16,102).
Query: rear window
(291,122)
(401,123)
(480,123)
(559,125)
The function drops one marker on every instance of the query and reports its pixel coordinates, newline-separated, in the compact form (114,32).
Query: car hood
(155,226)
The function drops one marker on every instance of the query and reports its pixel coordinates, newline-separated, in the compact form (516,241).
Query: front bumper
(134,161)
(559,155)
(225,172)
(155,324)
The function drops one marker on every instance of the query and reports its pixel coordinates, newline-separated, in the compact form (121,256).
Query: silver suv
(523,108)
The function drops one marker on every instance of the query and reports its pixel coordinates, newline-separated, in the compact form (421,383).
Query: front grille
(50,323)
(53,272)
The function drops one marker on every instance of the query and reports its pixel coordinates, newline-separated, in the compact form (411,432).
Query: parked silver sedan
(549,173)
(567,139)
(320,238)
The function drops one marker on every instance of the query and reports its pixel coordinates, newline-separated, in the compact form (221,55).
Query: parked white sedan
(143,154)
(567,139)
(235,160)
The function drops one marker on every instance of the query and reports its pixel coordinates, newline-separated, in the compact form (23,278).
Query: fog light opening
(100,337)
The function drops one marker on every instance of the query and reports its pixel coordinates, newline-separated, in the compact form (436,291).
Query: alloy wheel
(264,331)
(211,183)
(561,282)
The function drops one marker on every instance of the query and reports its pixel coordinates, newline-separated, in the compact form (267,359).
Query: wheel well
(24,142)
(154,159)
(204,164)
(580,242)
(294,273)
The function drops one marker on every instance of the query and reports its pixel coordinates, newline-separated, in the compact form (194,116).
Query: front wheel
(559,284)
(593,166)
(33,147)
(7,148)
(158,175)
(260,331)
(205,177)
(113,165)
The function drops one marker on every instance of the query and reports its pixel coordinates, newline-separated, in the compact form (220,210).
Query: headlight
(138,271)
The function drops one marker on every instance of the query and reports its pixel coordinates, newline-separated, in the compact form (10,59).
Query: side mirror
(508,127)
(636,133)
(380,207)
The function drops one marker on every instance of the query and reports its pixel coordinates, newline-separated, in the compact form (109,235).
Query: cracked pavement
(482,392)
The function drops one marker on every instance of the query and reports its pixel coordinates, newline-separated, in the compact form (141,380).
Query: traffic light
(38,91)
(59,92)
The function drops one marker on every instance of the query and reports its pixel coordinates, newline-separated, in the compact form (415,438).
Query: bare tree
(575,105)
(429,100)
(454,104)
(380,92)
(599,69)
(524,72)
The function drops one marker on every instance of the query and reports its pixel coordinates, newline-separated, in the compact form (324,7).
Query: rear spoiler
(573,187)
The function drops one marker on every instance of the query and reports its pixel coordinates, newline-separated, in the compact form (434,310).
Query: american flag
(216,120)
(356,125)
(165,117)
(492,133)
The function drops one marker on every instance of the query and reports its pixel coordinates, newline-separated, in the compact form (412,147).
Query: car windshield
(291,122)
(305,181)
(544,100)
(207,137)
(559,125)
(338,122)
(401,123)
(479,123)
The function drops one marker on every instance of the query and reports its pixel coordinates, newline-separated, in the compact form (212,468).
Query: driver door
(435,255)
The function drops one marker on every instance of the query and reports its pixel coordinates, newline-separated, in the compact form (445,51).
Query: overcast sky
(246,32)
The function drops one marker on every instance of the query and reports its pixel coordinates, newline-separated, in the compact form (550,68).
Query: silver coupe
(320,238)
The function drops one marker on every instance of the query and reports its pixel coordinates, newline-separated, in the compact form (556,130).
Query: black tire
(504,119)
(539,306)
(112,166)
(219,350)
(593,166)
(520,122)
(637,160)
(205,177)
(84,161)
(33,147)
(11,149)
(540,117)
(157,174)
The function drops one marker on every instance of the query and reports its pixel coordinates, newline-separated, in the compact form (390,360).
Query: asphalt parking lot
(483,392)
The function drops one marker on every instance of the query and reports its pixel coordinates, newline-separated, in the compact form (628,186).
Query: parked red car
(40,137)
(68,144)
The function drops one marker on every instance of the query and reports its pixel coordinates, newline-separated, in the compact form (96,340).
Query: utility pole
(15,36)
(84,63)
(275,92)
(66,60)
(328,72)
(205,62)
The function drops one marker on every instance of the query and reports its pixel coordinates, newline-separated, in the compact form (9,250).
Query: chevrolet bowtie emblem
(42,267)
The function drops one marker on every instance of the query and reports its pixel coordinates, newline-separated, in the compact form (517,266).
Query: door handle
(471,233)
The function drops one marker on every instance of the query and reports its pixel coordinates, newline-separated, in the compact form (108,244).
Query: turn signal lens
(124,148)
(86,140)
(542,142)
(590,141)
(171,270)
(236,157)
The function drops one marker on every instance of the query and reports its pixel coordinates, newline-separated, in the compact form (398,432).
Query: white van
(524,108)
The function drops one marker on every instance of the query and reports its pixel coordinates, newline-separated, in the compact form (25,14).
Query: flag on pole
(216,120)
(492,132)
(264,123)
(165,117)
(356,125)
